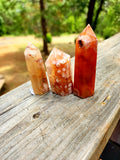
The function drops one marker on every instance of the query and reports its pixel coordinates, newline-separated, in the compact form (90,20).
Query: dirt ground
(12,62)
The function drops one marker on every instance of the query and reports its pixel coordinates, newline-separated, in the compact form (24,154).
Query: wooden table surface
(51,127)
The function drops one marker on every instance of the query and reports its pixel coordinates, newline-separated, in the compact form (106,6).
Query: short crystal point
(85,63)
(36,69)
(58,67)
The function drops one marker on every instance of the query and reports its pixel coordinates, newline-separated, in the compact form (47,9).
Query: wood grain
(51,127)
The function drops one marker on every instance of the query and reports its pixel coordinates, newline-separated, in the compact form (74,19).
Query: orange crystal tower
(58,67)
(85,63)
(36,69)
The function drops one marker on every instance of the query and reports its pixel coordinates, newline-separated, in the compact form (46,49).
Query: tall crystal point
(58,67)
(36,69)
(85,63)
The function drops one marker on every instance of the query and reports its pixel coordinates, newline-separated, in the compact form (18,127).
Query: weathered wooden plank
(66,127)
(12,98)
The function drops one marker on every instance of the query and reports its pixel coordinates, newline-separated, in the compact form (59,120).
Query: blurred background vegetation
(22,17)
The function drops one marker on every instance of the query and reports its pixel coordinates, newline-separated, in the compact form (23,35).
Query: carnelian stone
(85,63)
(58,67)
(36,69)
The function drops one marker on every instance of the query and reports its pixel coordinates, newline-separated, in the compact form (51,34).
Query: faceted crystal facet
(58,67)
(85,63)
(36,69)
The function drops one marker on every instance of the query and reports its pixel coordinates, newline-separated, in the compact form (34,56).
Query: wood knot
(80,42)
(36,115)
(105,99)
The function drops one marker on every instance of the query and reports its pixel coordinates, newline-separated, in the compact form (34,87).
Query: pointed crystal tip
(89,32)
(57,56)
(31,50)
(31,46)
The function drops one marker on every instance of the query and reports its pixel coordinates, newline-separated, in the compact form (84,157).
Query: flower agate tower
(36,69)
(85,63)
(58,67)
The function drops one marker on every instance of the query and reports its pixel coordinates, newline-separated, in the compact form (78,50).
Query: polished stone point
(36,69)
(58,67)
(85,63)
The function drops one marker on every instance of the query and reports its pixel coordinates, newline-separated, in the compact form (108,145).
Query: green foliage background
(22,17)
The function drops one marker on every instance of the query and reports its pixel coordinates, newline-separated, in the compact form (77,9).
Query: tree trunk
(43,24)
(90,12)
(97,14)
